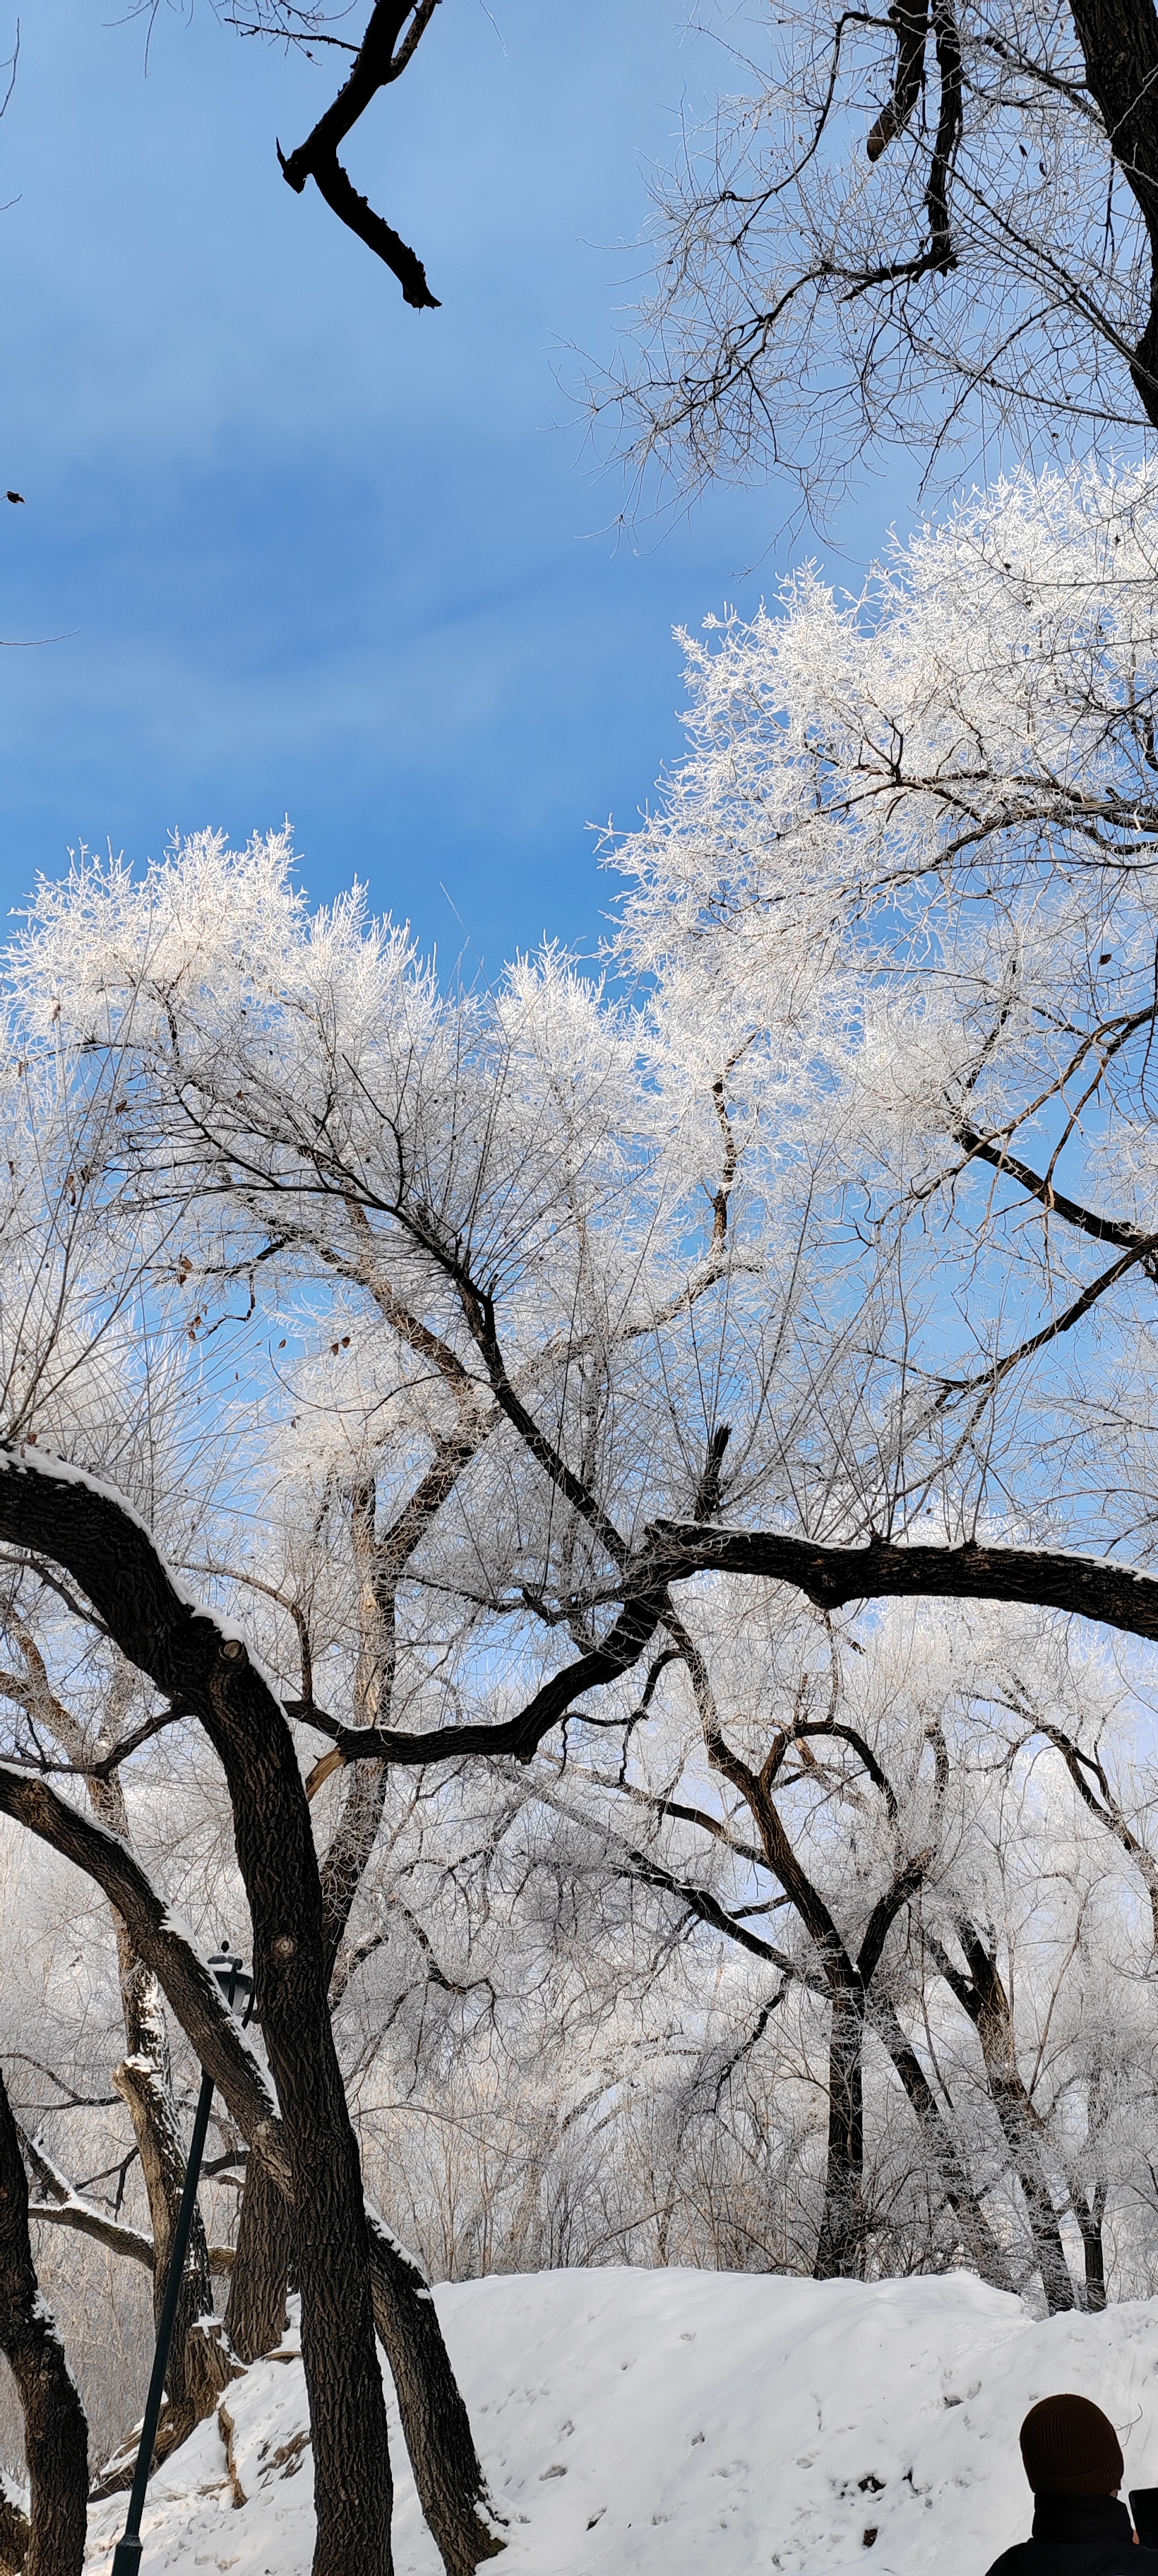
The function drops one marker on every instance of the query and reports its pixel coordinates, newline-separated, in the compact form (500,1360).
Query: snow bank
(692,2424)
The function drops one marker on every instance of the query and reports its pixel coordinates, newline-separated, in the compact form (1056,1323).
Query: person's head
(1071,2449)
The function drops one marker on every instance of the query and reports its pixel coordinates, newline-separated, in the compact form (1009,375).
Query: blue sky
(313,554)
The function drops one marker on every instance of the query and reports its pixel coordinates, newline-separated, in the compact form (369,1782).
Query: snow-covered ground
(693,2424)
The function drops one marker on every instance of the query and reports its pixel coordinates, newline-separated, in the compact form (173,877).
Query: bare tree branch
(382,58)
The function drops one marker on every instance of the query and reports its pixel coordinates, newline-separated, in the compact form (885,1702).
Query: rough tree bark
(255,2311)
(1085,1587)
(55,2431)
(352,2480)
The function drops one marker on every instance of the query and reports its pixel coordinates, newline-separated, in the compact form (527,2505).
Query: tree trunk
(1119,39)
(352,2481)
(55,2431)
(1048,2247)
(189,1656)
(434,2417)
(255,2310)
(983,1995)
(976,2231)
(1090,2213)
(461,2516)
(840,2252)
(435,2422)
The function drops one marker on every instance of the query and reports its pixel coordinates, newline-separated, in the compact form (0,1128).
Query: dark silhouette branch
(912,26)
(1119,39)
(382,57)
(1115,1596)
(1101,1229)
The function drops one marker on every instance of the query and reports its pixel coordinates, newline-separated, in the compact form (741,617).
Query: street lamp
(233,1981)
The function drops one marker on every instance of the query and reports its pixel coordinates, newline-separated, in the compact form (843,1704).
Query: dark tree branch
(55,2432)
(1119,39)
(707,1909)
(64,2204)
(1109,1813)
(802,1727)
(521,1735)
(1085,1587)
(886,1910)
(948,48)
(1102,1229)
(383,56)
(912,25)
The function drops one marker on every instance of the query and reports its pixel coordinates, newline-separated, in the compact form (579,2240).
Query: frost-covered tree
(1009,2007)
(539,1346)
(930,226)
(103,1383)
(913,848)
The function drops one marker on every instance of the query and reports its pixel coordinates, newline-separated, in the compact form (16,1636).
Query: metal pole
(127,2554)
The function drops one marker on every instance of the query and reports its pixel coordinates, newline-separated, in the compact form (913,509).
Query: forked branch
(388,45)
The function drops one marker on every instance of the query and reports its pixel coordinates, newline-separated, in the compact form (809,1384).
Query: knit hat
(1071,2449)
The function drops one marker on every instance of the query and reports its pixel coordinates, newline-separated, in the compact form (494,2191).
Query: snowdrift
(688,2422)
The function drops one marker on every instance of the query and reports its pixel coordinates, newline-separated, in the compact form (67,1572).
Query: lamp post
(233,1981)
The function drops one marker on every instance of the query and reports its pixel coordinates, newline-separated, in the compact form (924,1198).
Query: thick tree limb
(1119,39)
(336,186)
(382,57)
(521,1735)
(1087,1587)
(168,1949)
(911,20)
(431,2406)
(81,2216)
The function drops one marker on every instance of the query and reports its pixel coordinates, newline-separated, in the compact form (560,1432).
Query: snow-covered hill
(693,2424)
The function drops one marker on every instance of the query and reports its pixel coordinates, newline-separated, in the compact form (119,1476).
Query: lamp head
(235,1982)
